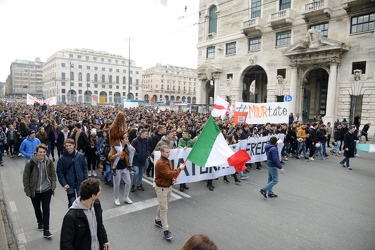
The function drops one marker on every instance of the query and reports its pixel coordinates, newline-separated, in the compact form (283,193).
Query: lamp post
(71,65)
(128,87)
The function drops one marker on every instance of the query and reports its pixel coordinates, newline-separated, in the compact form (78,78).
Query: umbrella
(369,148)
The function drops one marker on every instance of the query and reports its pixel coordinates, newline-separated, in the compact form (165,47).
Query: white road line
(131,208)
(18,230)
(148,180)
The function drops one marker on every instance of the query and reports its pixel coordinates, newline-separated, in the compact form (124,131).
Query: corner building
(320,53)
(85,75)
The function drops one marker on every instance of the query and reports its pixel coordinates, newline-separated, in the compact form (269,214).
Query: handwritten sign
(261,113)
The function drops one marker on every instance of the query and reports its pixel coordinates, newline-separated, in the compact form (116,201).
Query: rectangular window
(70,55)
(79,84)
(62,83)
(255,43)
(110,92)
(230,48)
(285,4)
(362,23)
(117,87)
(281,72)
(283,38)
(359,65)
(95,85)
(80,92)
(117,70)
(255,9)
(87,67)
(63,65)
(103,86)
(96,68)
(63,75)
(323,27)
(94,58)
(80,66)
(103,69)
(78,56)
(110,69)
(87,58)
(63,91)
(210,52)
(124,71)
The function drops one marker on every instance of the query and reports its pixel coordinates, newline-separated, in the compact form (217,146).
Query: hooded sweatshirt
(43,183)
(91,219)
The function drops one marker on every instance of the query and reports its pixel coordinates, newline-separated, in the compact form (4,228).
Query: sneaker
(264,193)
(259,169)
(311,158)
(94,173)
(167,235)
(89,173)
(140,188)
(286,158)
(338,154)
(158,224)
(349,168)
(117,202)
(238,182)
(47,234)
(342,164)
(11,156)
(307,158)
(133,189)
(272,195)
(244,177)
(128,200)
(356,155)
(2,163)
(186,187)
(297,157)
(282,162)
(19,155)
(40,226)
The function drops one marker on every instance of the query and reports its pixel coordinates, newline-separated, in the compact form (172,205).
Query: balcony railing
(282,17)
(253,25)
(319,7)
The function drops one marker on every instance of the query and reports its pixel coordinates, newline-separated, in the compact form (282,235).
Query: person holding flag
(165,177)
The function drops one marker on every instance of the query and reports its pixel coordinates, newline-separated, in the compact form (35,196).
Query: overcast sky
(159,33)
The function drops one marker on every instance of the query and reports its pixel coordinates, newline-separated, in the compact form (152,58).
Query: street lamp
(71,65)
(87,92)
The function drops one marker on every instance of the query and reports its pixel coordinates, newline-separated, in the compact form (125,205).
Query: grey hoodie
(91,219)
(43,184)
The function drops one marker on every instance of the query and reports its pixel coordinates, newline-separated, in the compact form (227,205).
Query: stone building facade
(96,76)
(320,53)
(164,83)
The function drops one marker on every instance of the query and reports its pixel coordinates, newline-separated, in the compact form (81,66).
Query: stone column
(200,91)
(216,77)
(293,89)
(331,93)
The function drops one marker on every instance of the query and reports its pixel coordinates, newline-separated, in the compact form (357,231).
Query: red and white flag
(221,108)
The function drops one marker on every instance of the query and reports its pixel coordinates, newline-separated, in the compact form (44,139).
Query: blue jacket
(75,174)
(28,146)
(140,155)
(273,159)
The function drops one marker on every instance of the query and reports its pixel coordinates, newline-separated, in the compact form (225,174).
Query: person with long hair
(116,132)
(199,242)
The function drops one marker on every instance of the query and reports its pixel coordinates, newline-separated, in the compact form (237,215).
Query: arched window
(87,77)
(96,78)
(212,23)
(103,78)
(117,79)
(79,76)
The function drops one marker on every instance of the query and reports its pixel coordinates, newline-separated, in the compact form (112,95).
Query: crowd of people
(120,144)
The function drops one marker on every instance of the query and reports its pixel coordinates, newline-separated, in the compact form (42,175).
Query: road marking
(131,208)
(148,180)
(18,230)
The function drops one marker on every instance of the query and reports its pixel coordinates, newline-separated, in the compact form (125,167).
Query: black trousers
(41,203)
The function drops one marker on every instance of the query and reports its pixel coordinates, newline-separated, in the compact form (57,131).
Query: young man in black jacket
(79,230)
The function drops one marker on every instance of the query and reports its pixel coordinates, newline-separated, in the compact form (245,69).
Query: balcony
(317,9)
(350,5)
(281,18)
(253,26)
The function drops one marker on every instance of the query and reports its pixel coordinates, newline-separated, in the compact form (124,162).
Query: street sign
(288,98)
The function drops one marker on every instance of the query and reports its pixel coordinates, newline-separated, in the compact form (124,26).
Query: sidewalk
(3,236)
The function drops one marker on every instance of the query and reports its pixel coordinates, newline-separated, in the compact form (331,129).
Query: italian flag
(211,149)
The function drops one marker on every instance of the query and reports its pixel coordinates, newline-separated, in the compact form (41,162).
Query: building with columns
(93,75)
(164,83)
(321,53)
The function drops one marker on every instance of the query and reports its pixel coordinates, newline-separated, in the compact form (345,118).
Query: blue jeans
(138,172)
(73,193)
(1,152)
(346,159)
(108,172)
(302,147)
(273,179)
(337,147)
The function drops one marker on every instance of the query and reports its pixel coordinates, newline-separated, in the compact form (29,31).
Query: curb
(3,235)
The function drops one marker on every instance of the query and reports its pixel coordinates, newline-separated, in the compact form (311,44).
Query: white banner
(261,113)
(255,147)
(30,100)
(193,173)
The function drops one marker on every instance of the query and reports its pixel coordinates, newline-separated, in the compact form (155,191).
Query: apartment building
(89,76)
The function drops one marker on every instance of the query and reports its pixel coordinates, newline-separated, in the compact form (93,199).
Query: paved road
(320,206)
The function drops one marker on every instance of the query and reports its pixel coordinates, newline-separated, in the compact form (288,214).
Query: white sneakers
(127,200)
(92,173)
